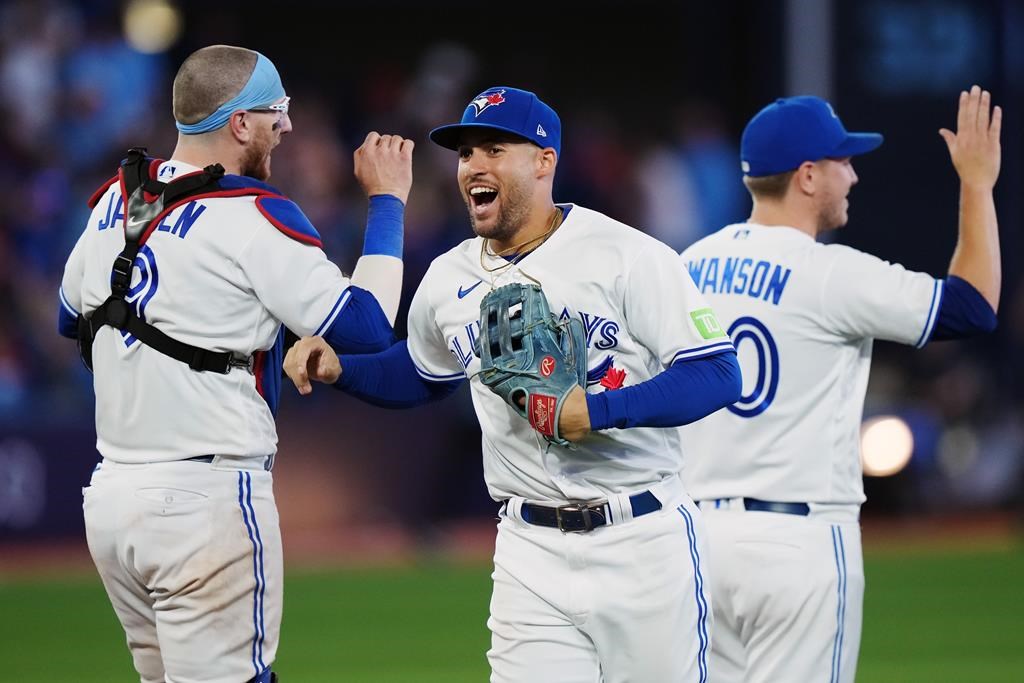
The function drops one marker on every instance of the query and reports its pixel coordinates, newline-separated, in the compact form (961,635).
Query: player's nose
(285,124)
(474,162)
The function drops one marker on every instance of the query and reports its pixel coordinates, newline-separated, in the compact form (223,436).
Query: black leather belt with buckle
(583,517)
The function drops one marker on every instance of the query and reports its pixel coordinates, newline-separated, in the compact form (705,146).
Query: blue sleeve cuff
(361,327)
(389,379)
(67,318)
(963,312)
(686,391)
(385,226)
(600,411)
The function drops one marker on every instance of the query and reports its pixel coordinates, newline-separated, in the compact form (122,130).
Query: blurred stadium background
(653,97)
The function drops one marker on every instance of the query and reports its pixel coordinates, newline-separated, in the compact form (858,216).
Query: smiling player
(598,570)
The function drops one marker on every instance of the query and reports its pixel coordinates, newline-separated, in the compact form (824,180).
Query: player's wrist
(977,185)
(388,194)
(385,226)
(599,412)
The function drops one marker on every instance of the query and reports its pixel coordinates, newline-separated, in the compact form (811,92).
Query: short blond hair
(208,78)
(769,186)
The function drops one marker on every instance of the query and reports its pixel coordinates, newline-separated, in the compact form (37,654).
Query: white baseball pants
(190,556)
(626,603)
(788,595)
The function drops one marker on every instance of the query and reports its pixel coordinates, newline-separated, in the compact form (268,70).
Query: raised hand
(383,165)
(974,148)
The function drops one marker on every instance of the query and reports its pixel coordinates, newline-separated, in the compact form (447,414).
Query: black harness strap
(139,214)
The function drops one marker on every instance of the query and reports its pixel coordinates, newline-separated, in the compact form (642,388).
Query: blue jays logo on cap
(793,130)
(487,99)
(506,109)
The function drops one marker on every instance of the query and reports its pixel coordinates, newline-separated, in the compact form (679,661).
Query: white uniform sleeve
(863,296)
(71,283)
(666,313)
(381,276)
(295,281)
(427,346)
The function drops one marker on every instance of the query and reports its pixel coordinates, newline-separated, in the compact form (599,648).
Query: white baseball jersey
(641,313)
(802,316)
(217,274)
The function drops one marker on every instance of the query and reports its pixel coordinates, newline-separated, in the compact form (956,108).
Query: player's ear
(547,159)
(240,125)
(806,176)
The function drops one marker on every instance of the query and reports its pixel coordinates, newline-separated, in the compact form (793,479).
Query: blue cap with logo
(511,110)
(793,130)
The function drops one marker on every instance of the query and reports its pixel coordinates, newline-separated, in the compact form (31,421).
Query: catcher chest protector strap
(146,201)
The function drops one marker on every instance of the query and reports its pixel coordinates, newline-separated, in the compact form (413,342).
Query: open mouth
(482,196)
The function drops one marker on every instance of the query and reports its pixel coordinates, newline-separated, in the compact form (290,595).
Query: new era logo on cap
(506,109)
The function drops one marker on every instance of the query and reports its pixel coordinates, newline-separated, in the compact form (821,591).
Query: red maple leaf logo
(613,378)
(487,99)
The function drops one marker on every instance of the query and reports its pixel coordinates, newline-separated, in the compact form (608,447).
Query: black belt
(584,516)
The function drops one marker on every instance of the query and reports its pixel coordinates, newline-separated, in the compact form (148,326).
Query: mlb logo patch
(487,99)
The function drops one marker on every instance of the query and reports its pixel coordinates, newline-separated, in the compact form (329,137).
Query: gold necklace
(485,246)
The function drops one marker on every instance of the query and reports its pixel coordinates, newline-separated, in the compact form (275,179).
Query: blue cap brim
(450,135)
(857,143)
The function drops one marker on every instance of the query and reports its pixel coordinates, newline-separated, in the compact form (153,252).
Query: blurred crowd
(75,96)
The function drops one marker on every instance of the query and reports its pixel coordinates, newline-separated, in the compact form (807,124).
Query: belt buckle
(587,512)
(248,364)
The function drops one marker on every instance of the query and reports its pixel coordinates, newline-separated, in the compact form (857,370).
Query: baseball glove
(528,357)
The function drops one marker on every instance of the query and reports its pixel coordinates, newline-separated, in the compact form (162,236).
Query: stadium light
(886,445)
(152,26)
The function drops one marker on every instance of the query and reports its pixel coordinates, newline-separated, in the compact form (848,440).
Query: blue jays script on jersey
(638,321)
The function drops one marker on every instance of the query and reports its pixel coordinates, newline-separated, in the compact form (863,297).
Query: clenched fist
(311,358)
(383,165)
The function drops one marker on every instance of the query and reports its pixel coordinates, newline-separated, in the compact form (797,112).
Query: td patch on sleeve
(707,324)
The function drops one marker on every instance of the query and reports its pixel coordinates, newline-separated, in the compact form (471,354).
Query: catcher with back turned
(179,292)
(594,346)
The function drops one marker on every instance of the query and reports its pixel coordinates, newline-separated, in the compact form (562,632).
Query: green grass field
(930,617)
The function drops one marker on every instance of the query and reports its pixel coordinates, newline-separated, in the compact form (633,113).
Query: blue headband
(264,88)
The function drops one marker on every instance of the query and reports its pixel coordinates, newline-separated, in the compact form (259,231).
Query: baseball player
(185,338)
(778,474)
(599,569)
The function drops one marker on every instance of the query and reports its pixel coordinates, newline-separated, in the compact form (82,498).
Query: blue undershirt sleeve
(685,392)
(964,312)
(385,226)
(67,317)
(67,324)
(390,380)
(361,327)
